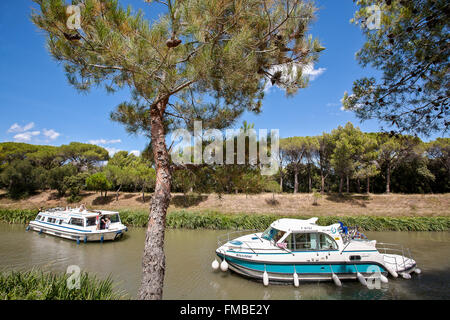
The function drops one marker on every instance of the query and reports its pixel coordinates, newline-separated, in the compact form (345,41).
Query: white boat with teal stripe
(293,250)
(79,224)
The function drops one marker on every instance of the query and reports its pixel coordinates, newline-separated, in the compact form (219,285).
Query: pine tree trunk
(322,181)
(358,185)
(117,193)
(388,180)
(348,185)
(309,179)
(341,184)
(153,260)
(296,180)
(368,184)
(281,183)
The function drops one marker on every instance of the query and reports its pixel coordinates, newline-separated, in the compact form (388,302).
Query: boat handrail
(392,248)
(222,239)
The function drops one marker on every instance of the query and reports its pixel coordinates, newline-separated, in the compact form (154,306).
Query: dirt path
(285,204)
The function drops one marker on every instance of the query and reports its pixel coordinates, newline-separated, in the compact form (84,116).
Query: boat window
(90,221)
(290,242)
(326,242)
(272,234)
(355,258)
(60,221)
(76,221)
(305,241)
(38,217)
(114,218)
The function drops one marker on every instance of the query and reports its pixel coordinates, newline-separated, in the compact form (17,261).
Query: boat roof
(83,212)
(298,225)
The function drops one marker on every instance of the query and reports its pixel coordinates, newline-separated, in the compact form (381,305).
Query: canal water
(189,254)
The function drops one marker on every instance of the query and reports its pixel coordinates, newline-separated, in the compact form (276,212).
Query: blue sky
(38,106)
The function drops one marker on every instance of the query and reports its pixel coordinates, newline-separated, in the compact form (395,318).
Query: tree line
(344,160)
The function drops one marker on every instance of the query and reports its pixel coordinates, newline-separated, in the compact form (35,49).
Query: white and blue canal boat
(79,224)
(293,250)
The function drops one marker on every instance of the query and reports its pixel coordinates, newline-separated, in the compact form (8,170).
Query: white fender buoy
(265,278)
(336,280)
(383,279)
(406,275)
(417,271)
(224,265)
(391,271)
(361,279)
(215,265)
(296,282)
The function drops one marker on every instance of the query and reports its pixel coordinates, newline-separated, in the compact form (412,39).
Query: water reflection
(189,274)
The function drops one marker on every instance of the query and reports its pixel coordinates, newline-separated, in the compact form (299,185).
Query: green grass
(219,221)
(37,285)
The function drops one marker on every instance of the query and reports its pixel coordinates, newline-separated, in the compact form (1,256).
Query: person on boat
(107,223)
(97,221)
(102,222)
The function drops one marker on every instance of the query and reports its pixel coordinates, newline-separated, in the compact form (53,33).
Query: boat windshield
(272,234)
(113,217)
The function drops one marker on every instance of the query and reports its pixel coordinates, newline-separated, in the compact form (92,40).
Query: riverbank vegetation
(220,221)
(39,285)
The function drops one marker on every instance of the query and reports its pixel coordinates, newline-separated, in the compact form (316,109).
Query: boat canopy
(298,225)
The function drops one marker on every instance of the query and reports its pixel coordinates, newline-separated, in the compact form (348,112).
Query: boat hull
(75,235)
(312,271)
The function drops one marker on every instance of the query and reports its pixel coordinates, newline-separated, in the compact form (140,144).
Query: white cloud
(313,73)
(112,151)
(104,141)
(51,134)
(17,128)
(289,73)
(334,104)
(26,136)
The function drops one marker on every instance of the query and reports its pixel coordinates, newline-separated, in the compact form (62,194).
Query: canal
(189,254)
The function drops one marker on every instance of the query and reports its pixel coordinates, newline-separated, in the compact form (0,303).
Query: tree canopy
(410,49)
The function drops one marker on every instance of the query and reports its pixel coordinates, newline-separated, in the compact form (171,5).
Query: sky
(38,106)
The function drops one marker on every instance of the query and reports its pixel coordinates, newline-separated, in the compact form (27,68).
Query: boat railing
(394,248)
(222,239)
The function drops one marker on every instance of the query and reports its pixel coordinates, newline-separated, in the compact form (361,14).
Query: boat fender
(391,271)
(85,239)
(336,280)
(27,228)
(215,265)
(101,239)
(383,279)
(361,279)
(406,275)
(417,271)
(224,265)
(40,231)
(296,282)
(265,278)
(78,240)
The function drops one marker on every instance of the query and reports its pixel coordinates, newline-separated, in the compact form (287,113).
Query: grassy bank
(216,220)
(37,285)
